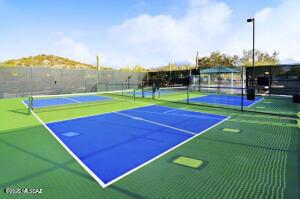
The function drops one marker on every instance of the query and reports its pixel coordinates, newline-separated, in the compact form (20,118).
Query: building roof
(218,69)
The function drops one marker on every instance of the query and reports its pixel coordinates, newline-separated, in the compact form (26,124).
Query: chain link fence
(22,81)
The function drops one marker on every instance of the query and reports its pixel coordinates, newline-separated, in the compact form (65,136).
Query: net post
(122,89)
(153,91)
(30,104)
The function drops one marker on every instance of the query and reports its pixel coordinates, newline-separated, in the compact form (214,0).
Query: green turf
(278,105)
(261,162)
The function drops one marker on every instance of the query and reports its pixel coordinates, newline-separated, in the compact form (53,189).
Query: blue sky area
(147,32)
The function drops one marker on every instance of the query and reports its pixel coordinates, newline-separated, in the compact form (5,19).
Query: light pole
(252,20)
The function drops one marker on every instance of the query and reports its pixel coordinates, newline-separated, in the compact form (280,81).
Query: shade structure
(219,69)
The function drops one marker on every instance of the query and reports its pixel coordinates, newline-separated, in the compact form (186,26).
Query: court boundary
(97,179)
(73,102)
(262,98)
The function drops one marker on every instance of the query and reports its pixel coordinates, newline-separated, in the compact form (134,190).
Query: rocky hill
(50,61)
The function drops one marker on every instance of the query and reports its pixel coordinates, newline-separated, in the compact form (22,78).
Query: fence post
(187,95)
(270,81)
(153,91)
(143,91)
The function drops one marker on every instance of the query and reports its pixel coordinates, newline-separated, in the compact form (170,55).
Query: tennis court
(118,143)
(230,100)
(57,101)
(112,145)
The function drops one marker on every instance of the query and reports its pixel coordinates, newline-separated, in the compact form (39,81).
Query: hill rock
(50,61)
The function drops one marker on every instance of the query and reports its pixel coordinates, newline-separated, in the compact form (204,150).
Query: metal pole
(252,20)
(143,91)
(187,95)
(31,84)
(147,78)
(30,104)
(198,66)
(242,98)
(153,91)
(98,74)
(219,80)
(170,74)
(253,54)
(270,81)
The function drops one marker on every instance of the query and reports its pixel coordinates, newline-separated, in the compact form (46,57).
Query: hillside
(50,61)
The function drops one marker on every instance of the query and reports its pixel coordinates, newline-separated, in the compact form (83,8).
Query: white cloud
(263,15)
(68,47)
(282,31)
(153,40)
(156,40)
(206,26)
(197,3)
(277,28)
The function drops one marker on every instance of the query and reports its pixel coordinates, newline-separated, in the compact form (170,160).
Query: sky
(146,32)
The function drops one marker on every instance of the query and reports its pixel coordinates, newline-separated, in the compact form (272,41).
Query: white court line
(255,102)
(66,104)
(24,103)
(185,109)
(169,111)
(162,154)
(228,104)
(74,118)
(205,115)
(73,100)
(98,180)
(45,97)
(149,121)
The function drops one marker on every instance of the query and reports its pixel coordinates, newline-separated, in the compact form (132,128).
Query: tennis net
(223,97)
(66,101)
(164,93)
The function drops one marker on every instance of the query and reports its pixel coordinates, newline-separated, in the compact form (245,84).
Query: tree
(136,68)
(218,59)
(261,58)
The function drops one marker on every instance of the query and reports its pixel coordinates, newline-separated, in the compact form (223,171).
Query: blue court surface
(229,100)
(115,144)
(39,103)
